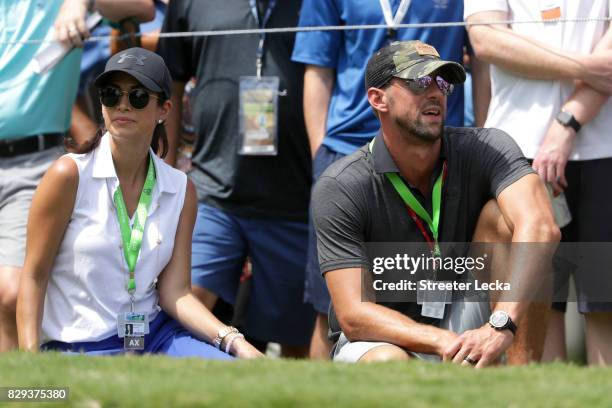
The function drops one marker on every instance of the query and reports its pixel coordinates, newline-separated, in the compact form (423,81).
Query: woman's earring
(159,122)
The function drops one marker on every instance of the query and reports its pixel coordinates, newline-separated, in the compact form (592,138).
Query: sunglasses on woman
(419,86)
(110,96)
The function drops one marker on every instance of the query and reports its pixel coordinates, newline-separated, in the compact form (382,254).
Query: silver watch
(501,320)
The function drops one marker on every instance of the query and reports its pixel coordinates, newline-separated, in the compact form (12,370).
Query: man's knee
(385,353)
(492,226)
(9,288)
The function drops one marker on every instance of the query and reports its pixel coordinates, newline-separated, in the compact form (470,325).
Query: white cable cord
(329,28)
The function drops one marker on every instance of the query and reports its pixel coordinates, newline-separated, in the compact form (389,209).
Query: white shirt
(525,108)
(87,285)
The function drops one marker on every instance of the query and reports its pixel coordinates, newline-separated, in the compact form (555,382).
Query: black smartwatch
(566,119)
(501,320)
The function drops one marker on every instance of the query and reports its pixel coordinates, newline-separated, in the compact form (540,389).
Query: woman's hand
(243,349)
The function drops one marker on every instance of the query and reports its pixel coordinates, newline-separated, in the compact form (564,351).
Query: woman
(109,236)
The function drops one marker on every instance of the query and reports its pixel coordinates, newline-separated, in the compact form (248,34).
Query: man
(550,87)
(338,117)
(252,178)
(35,111)
(489,194)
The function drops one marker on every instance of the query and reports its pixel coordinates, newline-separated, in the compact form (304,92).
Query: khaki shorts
(19,177)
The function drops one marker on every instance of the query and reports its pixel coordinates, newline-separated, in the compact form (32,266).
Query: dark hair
(159,141)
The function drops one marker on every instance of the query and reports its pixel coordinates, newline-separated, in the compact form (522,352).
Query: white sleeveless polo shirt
(87,284)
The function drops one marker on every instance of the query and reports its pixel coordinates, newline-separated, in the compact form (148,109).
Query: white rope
(328,28)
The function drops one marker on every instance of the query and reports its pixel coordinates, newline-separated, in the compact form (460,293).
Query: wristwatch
(501,320)
(566,119)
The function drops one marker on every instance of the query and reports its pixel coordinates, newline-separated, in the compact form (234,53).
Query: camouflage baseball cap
(409,60)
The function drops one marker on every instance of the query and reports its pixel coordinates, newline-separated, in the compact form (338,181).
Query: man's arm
(142,10)
(585,104)
(82,127)
(318,86)
(366,321)
(70,22)
(498,44)
(527,211)
(481,90)
(173,123)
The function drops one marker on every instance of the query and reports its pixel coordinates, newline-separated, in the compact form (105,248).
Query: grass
(157,381)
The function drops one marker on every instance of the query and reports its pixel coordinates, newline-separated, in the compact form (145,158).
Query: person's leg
(529,340)
(180,343)
(598,336)
(367,351)
(9,286)
(320,345)
(594,282)
(315,291)
(167,336)
(276,310)
(19,177)
(555,346)
(218,253)
(384,353)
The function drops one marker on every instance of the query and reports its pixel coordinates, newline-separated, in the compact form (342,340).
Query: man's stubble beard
(419,130)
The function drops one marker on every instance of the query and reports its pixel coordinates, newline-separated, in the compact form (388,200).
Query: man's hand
(484,346)
(552,156)
(446,342)
(70,25)
(597,70)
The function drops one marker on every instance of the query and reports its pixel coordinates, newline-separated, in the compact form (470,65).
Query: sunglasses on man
(111,95)
(419,86)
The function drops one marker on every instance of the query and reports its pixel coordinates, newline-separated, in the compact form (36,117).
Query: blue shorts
(315,291)
(275,311)
(166,336)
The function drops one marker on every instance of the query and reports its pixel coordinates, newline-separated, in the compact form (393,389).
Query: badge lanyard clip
(259,61)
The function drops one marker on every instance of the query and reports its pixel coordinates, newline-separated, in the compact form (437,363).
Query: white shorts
(459,317)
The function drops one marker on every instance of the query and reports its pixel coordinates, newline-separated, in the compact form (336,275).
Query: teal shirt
(30,103)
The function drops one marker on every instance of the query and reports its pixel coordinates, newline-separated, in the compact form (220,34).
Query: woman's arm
(175,295)
(50,212)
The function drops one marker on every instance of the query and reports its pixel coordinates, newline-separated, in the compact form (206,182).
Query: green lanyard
(132,237)
(415,207)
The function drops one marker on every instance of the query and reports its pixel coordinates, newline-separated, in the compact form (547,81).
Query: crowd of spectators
(256,120)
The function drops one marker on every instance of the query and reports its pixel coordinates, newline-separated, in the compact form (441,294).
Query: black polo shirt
(252,186)
(355,203)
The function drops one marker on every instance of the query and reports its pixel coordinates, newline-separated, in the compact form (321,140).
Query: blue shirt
(350,120)
(32,103)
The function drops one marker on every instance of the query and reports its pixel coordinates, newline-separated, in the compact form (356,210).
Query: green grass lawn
(157,381)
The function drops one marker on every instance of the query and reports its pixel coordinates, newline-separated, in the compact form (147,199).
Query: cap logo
(426,49)
(139,58)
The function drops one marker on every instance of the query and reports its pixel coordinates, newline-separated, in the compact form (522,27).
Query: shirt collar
(382,160)
(103,166)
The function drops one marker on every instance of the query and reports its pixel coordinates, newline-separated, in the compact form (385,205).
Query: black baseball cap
(147,67)
(409,60)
